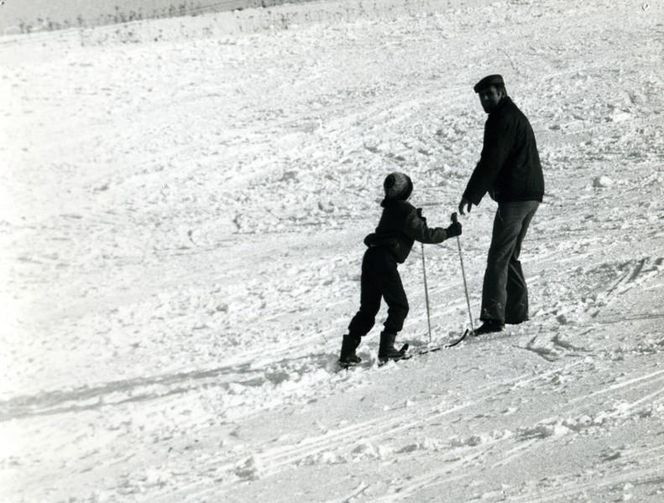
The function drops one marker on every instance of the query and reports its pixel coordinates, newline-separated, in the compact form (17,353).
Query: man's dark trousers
(380,279)
(504,292)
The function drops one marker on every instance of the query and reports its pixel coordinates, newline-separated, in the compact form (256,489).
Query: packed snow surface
(183,204)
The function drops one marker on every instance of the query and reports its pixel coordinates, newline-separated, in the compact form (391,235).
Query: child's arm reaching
(417,229)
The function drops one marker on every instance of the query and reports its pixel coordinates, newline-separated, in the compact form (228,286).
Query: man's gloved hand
(466,205)
(453,230)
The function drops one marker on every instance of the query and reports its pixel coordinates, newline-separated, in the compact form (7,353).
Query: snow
(183,204)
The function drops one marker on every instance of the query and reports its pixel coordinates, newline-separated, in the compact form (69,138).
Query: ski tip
(458,341)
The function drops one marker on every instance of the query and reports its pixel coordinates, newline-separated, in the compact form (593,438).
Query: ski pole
(426,291)
(463,273)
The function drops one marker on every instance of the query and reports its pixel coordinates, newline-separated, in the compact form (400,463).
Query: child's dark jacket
(400,225)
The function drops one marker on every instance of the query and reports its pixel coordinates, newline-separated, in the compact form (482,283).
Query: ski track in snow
(184,203)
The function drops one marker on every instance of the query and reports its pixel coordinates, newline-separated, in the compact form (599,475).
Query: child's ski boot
(387,351)
(348,358)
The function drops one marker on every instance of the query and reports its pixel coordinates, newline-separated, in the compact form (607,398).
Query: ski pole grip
(454,218)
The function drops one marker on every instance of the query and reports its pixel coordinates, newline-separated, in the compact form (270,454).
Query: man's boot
(386,350)
(489,326)
(348,347)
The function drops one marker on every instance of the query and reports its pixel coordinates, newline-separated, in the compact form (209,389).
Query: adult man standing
(509,170)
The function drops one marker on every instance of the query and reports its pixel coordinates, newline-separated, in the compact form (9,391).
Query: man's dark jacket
(509,167)
(400,225)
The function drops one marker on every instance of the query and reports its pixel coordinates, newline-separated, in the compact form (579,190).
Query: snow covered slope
(181,233)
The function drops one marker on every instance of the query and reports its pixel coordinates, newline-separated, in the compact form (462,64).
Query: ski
(427,349)
(454,343)
(431,349)
(439,347)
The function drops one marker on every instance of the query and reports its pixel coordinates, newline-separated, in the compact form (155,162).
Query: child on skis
(400,225)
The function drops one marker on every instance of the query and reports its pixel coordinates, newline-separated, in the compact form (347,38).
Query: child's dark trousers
(380,279)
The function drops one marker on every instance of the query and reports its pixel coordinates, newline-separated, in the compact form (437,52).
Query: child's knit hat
(397,186)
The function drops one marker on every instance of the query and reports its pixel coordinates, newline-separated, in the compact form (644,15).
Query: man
(509,170)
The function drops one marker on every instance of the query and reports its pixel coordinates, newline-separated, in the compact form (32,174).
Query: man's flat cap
(488,81)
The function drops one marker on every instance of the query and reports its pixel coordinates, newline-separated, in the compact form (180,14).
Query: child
(400,225)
